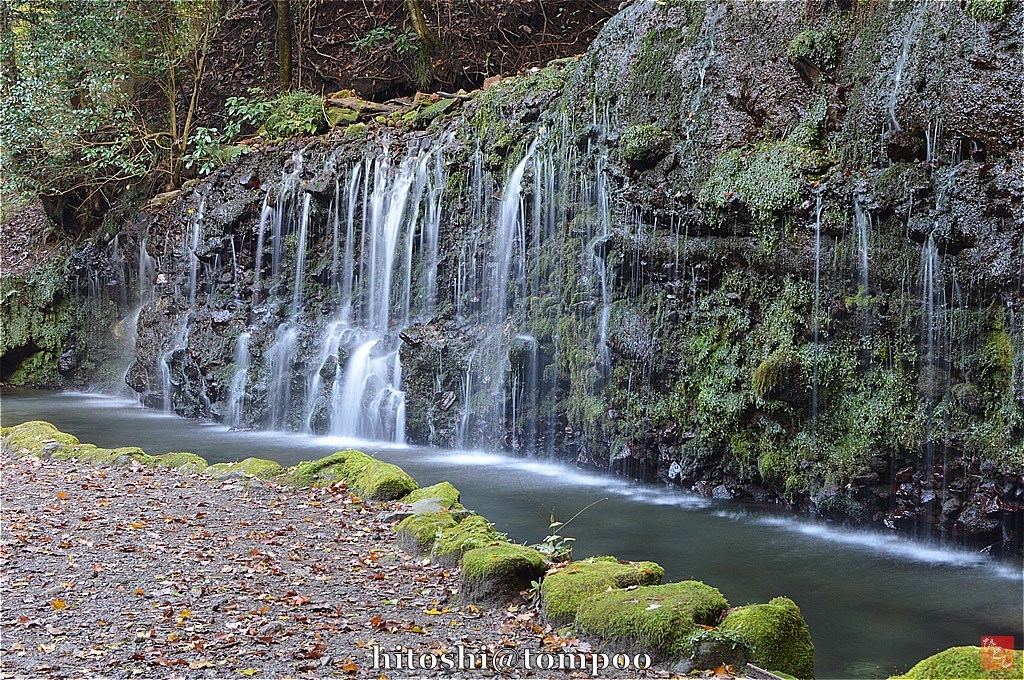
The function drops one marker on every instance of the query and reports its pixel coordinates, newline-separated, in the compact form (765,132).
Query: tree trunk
(284,42)
(427,36)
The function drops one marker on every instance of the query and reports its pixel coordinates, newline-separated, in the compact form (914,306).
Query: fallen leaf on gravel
(59,604)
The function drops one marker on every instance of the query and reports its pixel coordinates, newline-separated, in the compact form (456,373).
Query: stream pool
(876,602)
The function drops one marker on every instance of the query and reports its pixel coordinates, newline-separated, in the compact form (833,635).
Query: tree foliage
(97,93)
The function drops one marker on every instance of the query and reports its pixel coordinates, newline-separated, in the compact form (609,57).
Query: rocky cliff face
(763,251)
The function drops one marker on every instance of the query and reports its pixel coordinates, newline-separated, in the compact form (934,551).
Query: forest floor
(143,572)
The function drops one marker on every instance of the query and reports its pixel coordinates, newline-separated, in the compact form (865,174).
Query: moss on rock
(356,131)
(564,590)
(473,532)
(189,462)
(494,574)
(776,635)
(644,145)
(376,479)
(781,377)
(36,438)
(987,10)
(652,619)
(712,648)
(317,472)
(340,115)
(366,475)
(419,531)
(250,467)
(444,493)
(820,48)
(961,663)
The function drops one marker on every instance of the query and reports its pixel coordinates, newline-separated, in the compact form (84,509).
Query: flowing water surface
(875,602)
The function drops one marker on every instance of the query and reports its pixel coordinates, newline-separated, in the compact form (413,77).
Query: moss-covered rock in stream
(652,619)
(776,635)
(965,663)
(259,468)
(563,591)
(494,574)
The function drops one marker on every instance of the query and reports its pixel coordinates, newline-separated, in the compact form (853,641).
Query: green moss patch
(651,619)
(366,475)
(643,146)
(473,532)
(40,438)
(987,10)
(776,635)
(820,48)
(564,590)
(250,467)
(188,462)
(494,574)
(36,438)
(444,493)
(961,663)
(376,479)
(421,530)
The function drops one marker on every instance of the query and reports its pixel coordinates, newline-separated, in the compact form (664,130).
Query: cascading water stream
(817,307)
(909,38)
(240,380)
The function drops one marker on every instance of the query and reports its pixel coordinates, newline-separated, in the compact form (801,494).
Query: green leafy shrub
(401,41)
(287,115)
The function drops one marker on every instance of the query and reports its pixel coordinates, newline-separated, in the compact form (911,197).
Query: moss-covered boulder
(419,532)
(444,493)
(472,532)
(320,472)
(250,467)
(180,460)
(376,479)
(96,455)
(705,649)
(364,474)
(492,575)
(965,663)
(776,635)
(341,115)
(651,619)
(36,438)
(563,591)
(642,146)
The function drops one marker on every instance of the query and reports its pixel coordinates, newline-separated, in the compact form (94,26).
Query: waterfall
(933,355)
(817,305)
(240,380)
(916,21)
(192,247)
(863,224)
